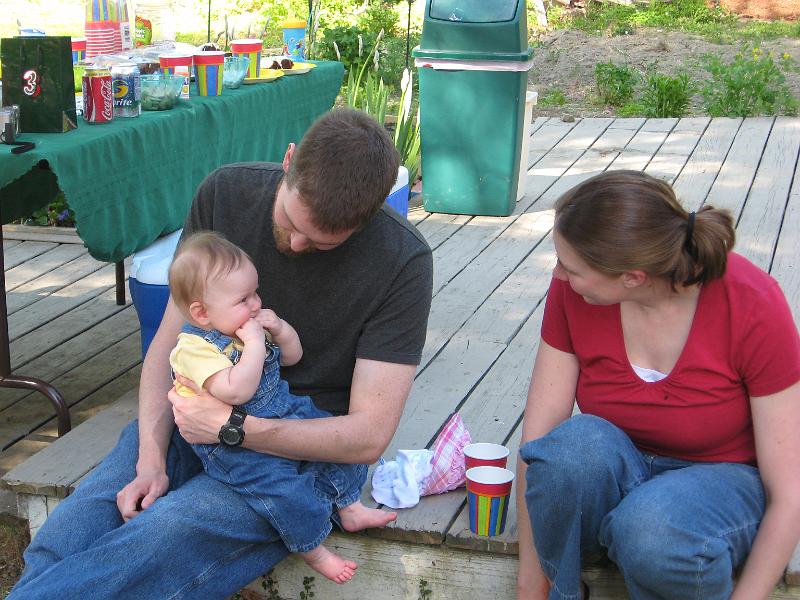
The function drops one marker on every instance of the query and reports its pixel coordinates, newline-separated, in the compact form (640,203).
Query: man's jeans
(200,540)
(675,529)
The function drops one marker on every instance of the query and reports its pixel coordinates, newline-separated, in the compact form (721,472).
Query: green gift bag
(37,76)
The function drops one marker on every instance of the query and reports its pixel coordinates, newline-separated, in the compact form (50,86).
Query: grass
(691,16)
(13,541)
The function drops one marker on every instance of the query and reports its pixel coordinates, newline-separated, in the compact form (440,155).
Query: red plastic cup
(488,497)
(483,454)
(208,67)
(250,48)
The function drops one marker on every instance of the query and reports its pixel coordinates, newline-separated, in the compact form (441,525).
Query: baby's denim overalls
(296,497)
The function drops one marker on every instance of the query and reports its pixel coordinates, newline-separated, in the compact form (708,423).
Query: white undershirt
(648,375)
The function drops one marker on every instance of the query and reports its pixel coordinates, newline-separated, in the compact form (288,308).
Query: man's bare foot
(329,564)
(357,517)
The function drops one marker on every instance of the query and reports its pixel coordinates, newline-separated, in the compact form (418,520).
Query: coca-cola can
(98,95)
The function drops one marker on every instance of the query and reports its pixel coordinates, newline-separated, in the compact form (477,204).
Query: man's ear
(633,279)
(197,311)
(287,158)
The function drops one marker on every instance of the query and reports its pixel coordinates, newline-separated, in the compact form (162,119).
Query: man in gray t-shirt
(354,279)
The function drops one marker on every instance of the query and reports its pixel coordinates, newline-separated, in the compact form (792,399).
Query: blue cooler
(398,198)
(148,284)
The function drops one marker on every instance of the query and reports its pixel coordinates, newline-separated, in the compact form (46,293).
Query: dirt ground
(566,60)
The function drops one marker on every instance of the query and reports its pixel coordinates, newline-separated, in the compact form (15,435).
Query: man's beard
(283,243)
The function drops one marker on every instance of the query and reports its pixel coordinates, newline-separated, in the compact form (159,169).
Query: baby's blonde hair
(200,258)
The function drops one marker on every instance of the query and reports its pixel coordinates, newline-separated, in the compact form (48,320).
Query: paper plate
(299,68)
(266,75)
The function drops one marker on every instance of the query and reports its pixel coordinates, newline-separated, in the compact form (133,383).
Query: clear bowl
(235,71)
(160,91)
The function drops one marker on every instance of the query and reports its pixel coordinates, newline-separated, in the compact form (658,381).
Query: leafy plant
(345,44)
(425,592)
(308,588)
(615,83)
(406,131)
(270,586)
(752,84)
(666,96)
(552,97)
(57,213)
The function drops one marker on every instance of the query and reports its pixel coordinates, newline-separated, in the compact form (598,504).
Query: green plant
(666,96)
(406,130)
(270,586)
(425,592)
(615,83)
(57,213)
(631,109)
(379,16)
(752,84)
(552,97)
(308,588)
(345,44)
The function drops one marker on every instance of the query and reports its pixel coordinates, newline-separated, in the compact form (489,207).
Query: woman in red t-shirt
(684,360)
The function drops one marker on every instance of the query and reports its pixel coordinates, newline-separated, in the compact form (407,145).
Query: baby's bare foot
(331,565)
(357,517)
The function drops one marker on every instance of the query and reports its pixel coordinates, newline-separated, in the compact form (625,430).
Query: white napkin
(397,483)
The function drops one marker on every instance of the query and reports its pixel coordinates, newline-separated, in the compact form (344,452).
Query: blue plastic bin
(148,284)
(398,198)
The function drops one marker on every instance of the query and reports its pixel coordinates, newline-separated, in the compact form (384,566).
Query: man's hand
(252,332)
(200,417)
(140,493)
(270,321)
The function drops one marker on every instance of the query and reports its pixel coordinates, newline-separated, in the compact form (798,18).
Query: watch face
(231,436)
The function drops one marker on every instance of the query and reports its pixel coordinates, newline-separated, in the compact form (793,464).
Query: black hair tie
(690,232)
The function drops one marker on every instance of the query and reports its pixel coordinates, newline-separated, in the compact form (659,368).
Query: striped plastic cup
(208,68)
(483,454)
(488,495)
(251,49)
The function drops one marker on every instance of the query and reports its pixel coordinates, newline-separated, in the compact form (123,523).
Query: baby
(223,348)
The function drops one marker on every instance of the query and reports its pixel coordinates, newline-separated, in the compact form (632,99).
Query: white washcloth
(397,483)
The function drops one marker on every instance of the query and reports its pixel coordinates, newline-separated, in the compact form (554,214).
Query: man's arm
(377,397)
(155,419)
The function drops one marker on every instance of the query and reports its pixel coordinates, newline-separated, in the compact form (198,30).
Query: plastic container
(208,72)
(161,91)
(78,50)
(294,39)
(398,197)
(154,21)
(250,48)
(148,284)
(477,53)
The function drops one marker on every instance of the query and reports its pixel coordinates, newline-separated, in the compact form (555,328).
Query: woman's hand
(200,417)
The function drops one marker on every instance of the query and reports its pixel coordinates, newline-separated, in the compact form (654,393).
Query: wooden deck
(491,275)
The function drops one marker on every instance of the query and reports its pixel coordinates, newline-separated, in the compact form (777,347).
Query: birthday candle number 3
(31,79)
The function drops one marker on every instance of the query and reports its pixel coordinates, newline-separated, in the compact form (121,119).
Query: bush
(752,84)
(666,96)
(615,83)
(352,52)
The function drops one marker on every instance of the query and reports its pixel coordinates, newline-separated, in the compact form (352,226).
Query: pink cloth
(448,458)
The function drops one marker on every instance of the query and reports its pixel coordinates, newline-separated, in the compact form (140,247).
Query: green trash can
(473,62)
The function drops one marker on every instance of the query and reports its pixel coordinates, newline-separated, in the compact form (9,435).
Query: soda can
(127,90)
(98,97)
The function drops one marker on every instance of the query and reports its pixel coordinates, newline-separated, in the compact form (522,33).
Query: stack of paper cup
(251,49)
(178,64)
(78,50)
(102,28)
(208,68)
(488,496)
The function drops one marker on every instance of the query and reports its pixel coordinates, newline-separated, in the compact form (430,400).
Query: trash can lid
(470,55)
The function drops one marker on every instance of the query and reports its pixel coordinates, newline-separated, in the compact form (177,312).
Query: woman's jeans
(201,540)
(675,529)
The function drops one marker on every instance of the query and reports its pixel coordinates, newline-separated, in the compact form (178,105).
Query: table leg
(120,283)
(17,381)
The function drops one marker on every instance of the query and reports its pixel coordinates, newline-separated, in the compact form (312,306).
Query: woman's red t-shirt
(743,343)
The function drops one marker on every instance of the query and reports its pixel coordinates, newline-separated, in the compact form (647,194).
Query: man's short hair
(201,257)
(343,169)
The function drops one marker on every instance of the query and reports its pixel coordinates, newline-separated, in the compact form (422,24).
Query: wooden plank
(59,235)
(701,170)
(84,347)
(60,302)
(66,327)
(546,137)
(632,123)
(758,226)
(439,227)
(640,150)
(736,175)
(18,254)
(53,281)
(35,410)
(10,244)
(675,151)
(33,268)
(660,125)
(52,471)
(786,265)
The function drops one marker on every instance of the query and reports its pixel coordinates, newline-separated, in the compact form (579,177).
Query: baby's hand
(251,332)
(270,321)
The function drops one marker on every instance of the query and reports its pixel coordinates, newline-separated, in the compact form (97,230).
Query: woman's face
(595,287)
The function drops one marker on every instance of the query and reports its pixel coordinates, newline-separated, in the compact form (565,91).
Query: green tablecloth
(132,180)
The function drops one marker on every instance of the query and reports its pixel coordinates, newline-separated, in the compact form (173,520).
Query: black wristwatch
(232,433)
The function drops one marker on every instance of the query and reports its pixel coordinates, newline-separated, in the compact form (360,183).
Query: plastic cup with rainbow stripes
(178,64)
(488,496)
(208,71)
(251,49)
